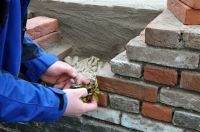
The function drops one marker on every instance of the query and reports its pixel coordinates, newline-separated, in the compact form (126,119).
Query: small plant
(93,91)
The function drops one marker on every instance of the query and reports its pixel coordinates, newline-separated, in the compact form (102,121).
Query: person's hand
(60,74)
(75,105)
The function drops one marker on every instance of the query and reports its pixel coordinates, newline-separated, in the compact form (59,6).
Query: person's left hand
(60,74)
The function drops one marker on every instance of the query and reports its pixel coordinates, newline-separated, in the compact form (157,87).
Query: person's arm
(22,101)
(35,61)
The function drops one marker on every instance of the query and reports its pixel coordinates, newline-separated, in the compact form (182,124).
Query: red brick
(103,99)
(41,26)
(160,75)
(139,90)
(184,13)
(48,40)
(195,4)
(190,81)
(157,111)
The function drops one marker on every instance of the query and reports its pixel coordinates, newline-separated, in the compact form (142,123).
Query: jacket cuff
(55,115)
(38,66)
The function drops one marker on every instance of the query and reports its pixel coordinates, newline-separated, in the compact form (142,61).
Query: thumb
(81,92)
(90,106)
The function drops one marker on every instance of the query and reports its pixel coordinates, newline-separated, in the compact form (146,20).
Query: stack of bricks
(154,86)
(187,11)
(45,31)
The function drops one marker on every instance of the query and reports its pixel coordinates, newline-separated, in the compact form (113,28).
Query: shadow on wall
(95,30)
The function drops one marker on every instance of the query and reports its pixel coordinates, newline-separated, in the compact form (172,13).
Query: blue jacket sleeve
(21,101)
(34,60)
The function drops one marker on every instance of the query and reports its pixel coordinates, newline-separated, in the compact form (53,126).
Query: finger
(60,85)
(68,84)
(81,79)
(62,78)
(49,79)
(90,106)
(67,69)
(81,92)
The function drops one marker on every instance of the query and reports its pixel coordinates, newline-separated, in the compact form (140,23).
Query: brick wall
(154,86)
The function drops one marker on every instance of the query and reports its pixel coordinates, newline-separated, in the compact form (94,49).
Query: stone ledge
(60,50)
(106,114)
(146,125)
(167,31)
(138,4)
(137,50)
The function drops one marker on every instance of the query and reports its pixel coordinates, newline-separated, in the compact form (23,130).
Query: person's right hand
(75,105)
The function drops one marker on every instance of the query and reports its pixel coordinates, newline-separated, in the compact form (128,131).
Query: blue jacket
(20,100)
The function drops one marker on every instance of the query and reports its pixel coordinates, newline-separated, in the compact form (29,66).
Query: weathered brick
(48,40)
(195,4)
(146,125)
(103,99)
(160,75)
(167,31)
(137,50)
(183,12)
(156,111)
(124,103)
(190,80)
(139,90)
(187,120)
(122,66)
(41,26)
(164,31)
(192,40)
(60,50)
(106,114)
(180,98)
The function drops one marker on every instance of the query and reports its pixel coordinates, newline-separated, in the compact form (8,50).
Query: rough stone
(124,104)
(146,125)
(95,30)
(122,66)
(137,50)
(167,31)
(134,89)
(180,98)
(192,3)
(160,75)
(183,12)
(157,111)
(190,81)
(186,119)
(106,114)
